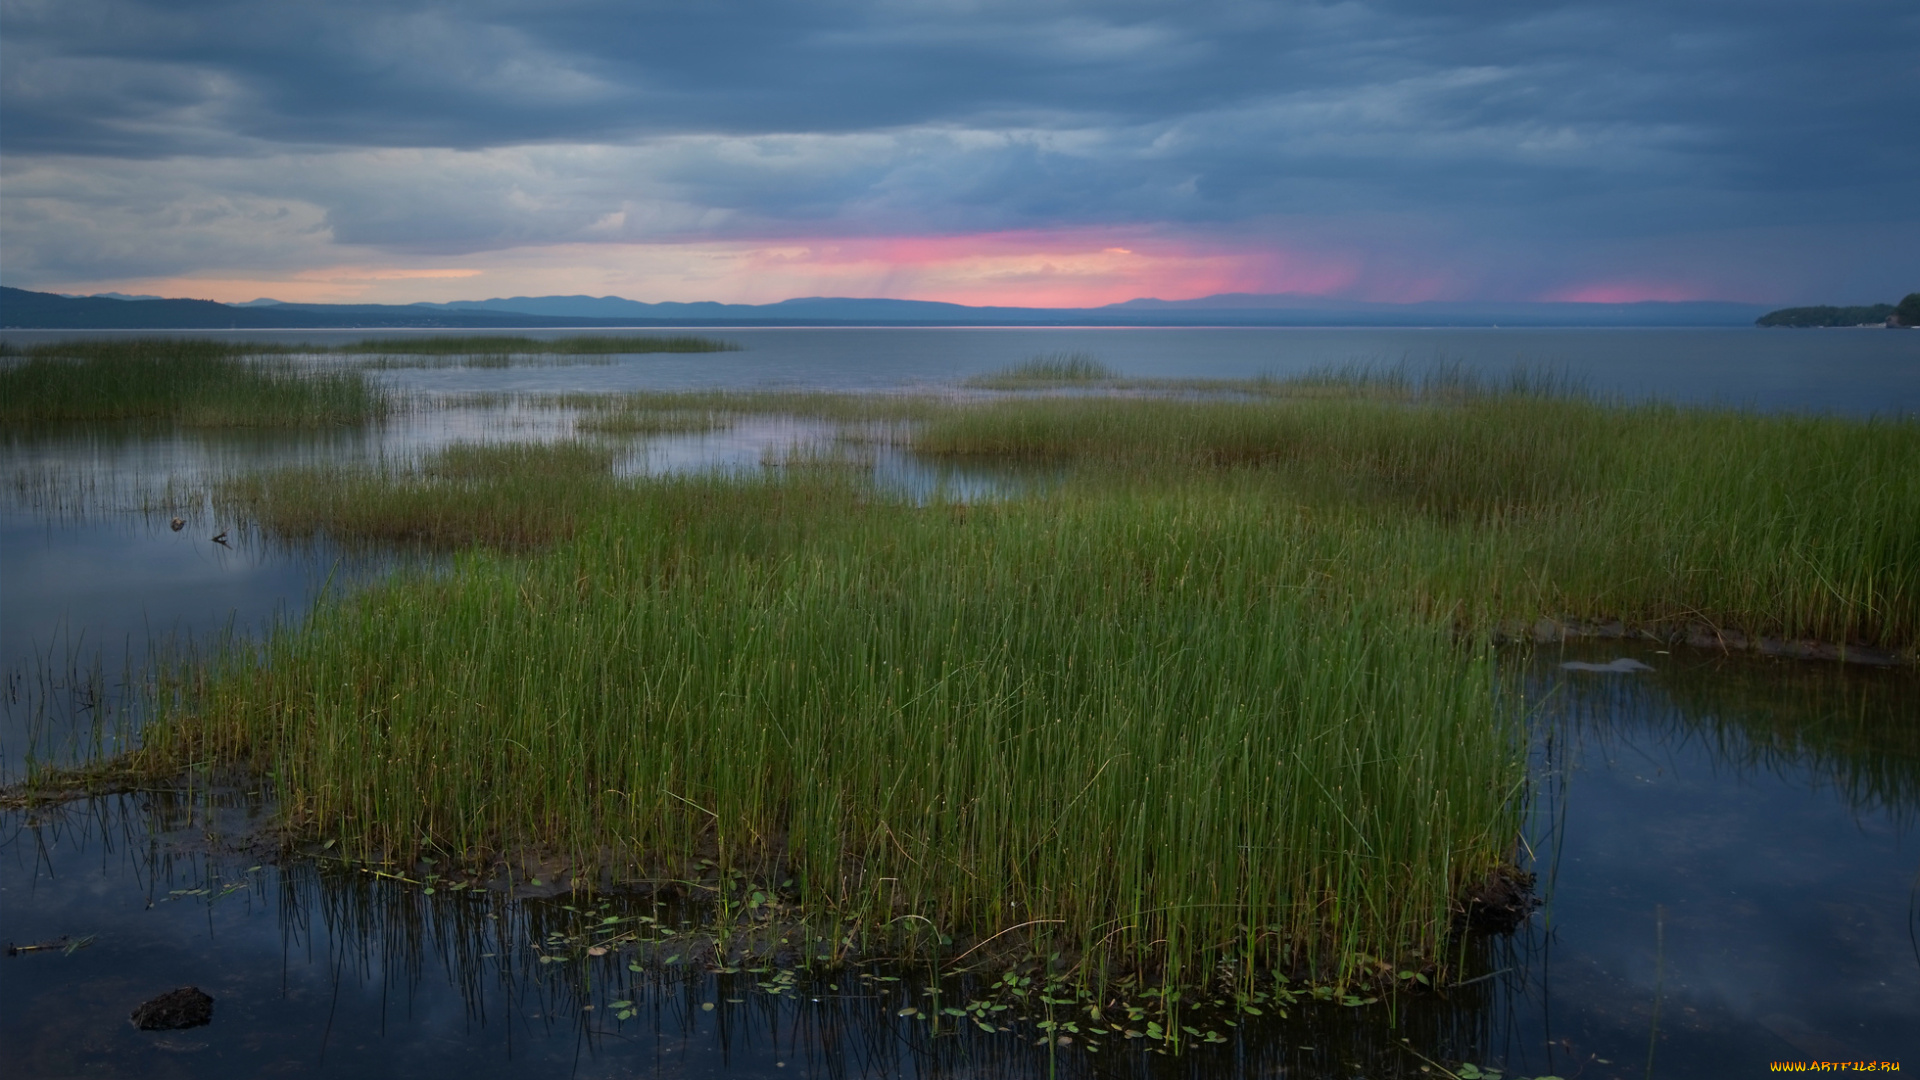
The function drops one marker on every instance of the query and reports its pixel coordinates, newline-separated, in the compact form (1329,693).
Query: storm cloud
(1752,150)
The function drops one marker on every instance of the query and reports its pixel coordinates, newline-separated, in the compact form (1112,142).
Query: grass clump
(481,360)
(1060,369)
(186,381)
(508,345)
(1220,699)
(659,413)
(1190,748)
(1502,506)
(513,497)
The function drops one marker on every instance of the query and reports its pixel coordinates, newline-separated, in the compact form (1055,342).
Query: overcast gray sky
(1019,152)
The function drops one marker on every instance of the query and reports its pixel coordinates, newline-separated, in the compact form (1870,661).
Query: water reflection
(1731,836)
(69,470)
(99,587)
(1727,837)
(317,968)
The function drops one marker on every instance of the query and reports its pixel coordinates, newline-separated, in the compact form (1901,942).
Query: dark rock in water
(186,1007)
(1501,903)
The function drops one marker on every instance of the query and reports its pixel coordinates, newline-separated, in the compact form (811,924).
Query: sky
(1030,152)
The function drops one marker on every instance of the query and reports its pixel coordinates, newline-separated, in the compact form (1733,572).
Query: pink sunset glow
(1043,269)
(1077,268)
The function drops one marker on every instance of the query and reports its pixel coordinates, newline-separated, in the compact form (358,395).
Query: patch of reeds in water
(1143,729)
(658,413)
(182,380)
(1513,506)
(482,360)
(1060,369)
(512,496)
(1216,700)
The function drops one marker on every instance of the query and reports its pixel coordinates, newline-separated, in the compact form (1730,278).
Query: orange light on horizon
(1036,268)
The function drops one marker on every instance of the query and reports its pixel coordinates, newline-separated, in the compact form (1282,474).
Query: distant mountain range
(24,310)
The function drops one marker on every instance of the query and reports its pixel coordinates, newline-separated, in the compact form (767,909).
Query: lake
(1843,370)
(1725,844)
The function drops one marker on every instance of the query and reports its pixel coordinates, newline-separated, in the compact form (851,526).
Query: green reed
(1516,505)
(1051,369)
(182,380)
(513,496)
(1219,697)
(1144,728)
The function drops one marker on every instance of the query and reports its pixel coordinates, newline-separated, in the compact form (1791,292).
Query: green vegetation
(1194,747)
(1862,315)
(1501,506)
(512,497)
(183,380)
(482,360)
(500,345)
(650,413)
(206,383)
(1909,309)
(1053,369)
(1218,700)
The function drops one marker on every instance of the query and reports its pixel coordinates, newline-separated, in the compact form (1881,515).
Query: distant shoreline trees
(1905,313)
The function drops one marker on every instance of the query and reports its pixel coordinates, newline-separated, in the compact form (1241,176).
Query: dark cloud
(428,126)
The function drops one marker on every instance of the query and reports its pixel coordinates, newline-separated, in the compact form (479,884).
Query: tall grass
(183,380)
(1049,370)
(387,362)
(515,496)
(1145,729)
(654,413)
(1217,700)
(1515,506)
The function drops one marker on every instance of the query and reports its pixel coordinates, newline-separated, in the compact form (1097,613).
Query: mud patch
(1499,904)
(187,1007)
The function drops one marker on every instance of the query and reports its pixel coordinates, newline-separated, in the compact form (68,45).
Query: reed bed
(1057,369)
(1516,506)
(612,412)
(1144,730)
(512,497)
(1221,699)
(182,380)
(388,362)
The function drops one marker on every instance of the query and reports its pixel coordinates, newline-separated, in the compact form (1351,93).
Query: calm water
(1727,844)
(1851,371)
